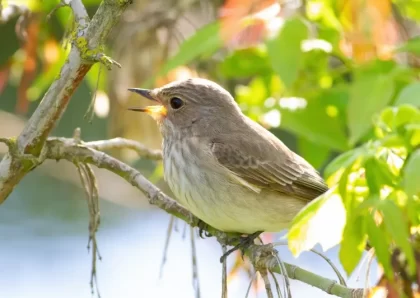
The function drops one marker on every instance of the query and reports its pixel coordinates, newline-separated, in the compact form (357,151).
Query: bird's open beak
(155,111)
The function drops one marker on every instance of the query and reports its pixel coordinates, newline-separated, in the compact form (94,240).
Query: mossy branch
(52,106)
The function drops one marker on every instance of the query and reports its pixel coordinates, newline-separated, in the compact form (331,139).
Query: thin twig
(337,272)
(250,284)
(88,180)
(61,4)
(176,224)
(369,265)
(7,142)
(262,256)
(283,271)
(224,274)
(91,108)
(364,260)
(184,231)
(165,249)
(278,290)
(195,279)
(94,221)
(267,284)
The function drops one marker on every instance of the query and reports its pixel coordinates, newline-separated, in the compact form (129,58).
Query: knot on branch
(28,161)
(263,257)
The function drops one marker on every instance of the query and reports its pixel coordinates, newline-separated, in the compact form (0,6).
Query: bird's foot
(202,228)
(243,244)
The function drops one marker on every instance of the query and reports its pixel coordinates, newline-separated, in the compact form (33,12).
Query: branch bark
(262,256)
(87,39)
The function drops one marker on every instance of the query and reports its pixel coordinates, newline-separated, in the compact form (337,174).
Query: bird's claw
(243,244)
(202,228)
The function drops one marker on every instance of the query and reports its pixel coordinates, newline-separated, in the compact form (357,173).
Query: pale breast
(206,189)
(185,172)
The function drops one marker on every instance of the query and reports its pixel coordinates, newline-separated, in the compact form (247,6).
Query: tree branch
(262,256)
(119,143)
(86,49)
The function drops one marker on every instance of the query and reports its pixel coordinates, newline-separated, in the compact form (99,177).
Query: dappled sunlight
(272,118)
(316,44)
(292,103)
(101,107)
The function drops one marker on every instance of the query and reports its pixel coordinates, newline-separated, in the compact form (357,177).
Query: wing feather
(272,167)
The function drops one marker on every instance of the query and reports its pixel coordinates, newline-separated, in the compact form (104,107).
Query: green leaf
(314,153)
(413,210)
(409,95)
(342,187)
(369,95)
(411,8)
(386,119)
(285,50)
(321,221)
(378,174)
(353,243)
(206,40)
(413,131)
(406,114)
(345,160)
(246,63)
(378,239)
(411,180)
(252,95)
(306,122)
(8,31)
(44,80)
(397,227)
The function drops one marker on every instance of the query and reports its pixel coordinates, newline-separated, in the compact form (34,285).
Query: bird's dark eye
(176,103)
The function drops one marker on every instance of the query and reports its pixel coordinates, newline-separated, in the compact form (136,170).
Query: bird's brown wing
(269,165)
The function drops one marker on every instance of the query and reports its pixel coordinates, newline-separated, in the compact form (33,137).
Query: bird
(226,169)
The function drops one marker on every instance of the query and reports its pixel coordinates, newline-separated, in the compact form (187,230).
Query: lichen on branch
(52,106)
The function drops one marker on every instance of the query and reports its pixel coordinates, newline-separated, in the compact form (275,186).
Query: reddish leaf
(370,30)
(4,76)
(51,53)
(178,73)
(243,24)
(29,67)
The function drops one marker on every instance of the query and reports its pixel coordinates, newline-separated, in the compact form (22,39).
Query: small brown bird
(223,167)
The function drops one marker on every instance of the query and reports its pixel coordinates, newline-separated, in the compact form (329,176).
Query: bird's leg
(202,227)
(243,244)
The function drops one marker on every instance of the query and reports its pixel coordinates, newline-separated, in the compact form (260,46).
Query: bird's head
(187,103)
